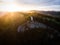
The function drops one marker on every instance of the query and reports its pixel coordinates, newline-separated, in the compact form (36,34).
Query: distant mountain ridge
(54,13)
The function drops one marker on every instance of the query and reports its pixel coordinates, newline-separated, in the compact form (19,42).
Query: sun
(14,8)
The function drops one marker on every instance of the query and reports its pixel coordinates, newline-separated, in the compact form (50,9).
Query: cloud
(40,2)
(32,4)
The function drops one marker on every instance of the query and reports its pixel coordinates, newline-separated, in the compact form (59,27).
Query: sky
(19,5)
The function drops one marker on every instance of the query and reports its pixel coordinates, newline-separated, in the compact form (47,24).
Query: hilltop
(10,21)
